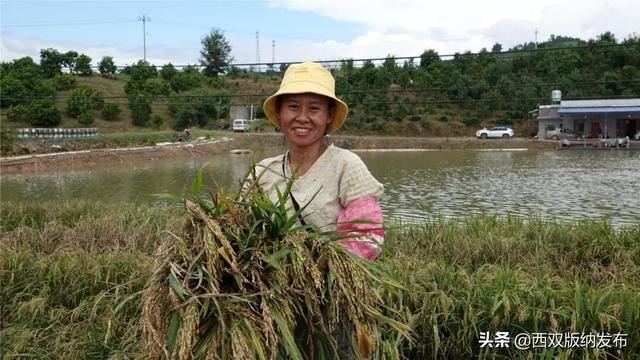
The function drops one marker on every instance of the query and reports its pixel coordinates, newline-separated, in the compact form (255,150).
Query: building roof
(547,112)
(599,103)
(618,107)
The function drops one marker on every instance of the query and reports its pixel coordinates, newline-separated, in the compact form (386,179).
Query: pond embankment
(113,157)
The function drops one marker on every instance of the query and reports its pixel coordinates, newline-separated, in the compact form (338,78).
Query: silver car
(495,132)
(561,134)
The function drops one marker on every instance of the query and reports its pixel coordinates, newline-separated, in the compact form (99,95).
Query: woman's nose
(303,114)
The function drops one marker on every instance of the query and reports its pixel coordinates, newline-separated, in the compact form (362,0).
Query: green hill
(423,96)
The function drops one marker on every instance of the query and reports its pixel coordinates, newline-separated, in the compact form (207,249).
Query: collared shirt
(336,178)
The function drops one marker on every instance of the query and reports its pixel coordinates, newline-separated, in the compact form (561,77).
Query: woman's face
(304,118)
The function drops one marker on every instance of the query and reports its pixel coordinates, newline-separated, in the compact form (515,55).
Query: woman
(306,109)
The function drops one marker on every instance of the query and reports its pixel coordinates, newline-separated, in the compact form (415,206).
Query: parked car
(495,132)
(561,134)
(241,125)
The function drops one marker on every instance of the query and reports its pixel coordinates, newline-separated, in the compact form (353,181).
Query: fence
(56,133)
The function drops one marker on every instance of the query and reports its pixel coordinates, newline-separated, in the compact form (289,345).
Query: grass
(109,141)
(72,277)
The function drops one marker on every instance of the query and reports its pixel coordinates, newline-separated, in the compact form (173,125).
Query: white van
(241,125)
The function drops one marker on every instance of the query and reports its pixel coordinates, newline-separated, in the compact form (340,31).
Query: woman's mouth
(301,131)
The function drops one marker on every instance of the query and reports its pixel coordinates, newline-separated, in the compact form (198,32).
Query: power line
(361,91)
(444,57)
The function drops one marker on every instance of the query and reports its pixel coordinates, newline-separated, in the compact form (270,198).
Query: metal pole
(144,20)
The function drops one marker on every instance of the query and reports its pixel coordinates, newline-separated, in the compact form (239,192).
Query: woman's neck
(302,158)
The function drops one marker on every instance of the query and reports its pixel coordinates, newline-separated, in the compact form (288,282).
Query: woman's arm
(362,218)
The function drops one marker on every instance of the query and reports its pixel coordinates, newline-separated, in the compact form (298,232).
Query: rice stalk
(240,280)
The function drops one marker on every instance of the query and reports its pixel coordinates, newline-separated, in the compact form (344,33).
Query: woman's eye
(293,107)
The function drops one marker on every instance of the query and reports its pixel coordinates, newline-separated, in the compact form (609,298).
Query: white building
(609,118)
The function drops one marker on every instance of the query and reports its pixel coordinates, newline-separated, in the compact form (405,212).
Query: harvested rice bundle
(242,281)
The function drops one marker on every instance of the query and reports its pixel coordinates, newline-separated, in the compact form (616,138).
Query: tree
(83,65)
(168,72)
(83,99)
(215,53)
(44,113)
(497,47)
(429,57)
(69,60)
(140,105)
(7,139)
(107,67)
(64,82)
(51,62)
(110,111)
(86,118)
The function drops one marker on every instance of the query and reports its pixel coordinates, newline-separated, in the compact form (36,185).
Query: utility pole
(536,38)
(144,18)
(273,51)
(258,50)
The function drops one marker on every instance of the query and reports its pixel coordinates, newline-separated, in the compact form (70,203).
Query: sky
(301,29)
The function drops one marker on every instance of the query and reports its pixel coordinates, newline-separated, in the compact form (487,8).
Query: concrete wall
(239,112)
(583,125)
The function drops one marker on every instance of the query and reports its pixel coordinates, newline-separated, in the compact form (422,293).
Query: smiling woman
(338,192)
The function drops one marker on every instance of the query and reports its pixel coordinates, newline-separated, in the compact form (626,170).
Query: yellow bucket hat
(308,77)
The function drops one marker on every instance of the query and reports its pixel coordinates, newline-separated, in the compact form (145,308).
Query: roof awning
(605,110)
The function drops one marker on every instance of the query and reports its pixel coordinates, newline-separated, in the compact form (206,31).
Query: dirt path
(122,156)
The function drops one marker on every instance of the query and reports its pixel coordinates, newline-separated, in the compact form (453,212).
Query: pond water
(418,184)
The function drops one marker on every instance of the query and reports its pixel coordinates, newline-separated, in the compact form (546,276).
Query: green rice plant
(73,275)
(242,281)
(70,305)
(79,225)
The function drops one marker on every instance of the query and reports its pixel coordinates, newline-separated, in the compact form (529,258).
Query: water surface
(566,185)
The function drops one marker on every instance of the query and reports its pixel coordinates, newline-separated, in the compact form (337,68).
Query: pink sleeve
(362,218)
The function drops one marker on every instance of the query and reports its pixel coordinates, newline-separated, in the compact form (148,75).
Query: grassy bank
(72,274)
(103,141)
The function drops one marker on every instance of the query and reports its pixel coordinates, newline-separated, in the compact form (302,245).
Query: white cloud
(399,28)
(407,27)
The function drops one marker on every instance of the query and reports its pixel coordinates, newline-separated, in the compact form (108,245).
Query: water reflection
(566,185)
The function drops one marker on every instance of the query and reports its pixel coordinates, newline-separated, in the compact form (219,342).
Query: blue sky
(302,29)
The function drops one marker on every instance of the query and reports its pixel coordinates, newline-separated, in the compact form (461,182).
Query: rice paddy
(75,277)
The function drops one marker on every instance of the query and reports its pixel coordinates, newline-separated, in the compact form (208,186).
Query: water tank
(556,96)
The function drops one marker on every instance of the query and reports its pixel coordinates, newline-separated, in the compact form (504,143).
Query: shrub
(426,124)
(110,111)
(505,121)
(471,121)
(83,99)
(415,118)
(86,118)
(156,87)
(64,82)
(17,113)
(7,139)
(444,118)
(157,121)
(44,113)
(140,105)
